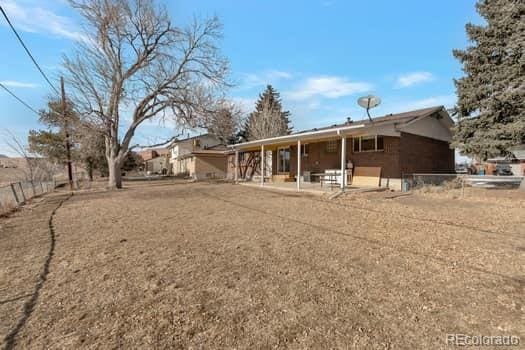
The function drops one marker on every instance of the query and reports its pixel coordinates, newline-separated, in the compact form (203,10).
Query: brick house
(403,143)
(155,160)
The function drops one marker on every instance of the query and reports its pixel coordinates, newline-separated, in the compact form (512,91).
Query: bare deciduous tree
(225,123)
(33,168)
(134,58)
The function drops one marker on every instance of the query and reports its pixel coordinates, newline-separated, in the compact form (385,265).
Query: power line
(27,50)
(19,99)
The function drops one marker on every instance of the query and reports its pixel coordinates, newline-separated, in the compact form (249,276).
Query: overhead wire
(19,99)
(27,50)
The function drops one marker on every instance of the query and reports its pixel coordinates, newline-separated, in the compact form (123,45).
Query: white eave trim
(295,137)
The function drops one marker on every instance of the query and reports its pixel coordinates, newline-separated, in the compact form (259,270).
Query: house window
(283,160)
(305,150)
(368,143)
(380,143)
(331,146)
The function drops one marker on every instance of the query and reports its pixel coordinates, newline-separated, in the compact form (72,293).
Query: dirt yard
(170,265)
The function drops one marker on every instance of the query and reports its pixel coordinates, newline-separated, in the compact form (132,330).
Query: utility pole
(66,130)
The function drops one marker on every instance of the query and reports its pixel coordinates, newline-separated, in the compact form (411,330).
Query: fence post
(22,190)
(14,193)
(42,187)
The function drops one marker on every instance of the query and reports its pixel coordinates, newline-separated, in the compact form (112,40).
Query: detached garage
(206,164)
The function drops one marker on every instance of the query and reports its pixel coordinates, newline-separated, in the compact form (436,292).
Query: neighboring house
(404,143)
(156,160)
(150,153)
(180,151)
(158,165)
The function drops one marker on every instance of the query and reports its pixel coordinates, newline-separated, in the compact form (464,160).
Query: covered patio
(314,161)
(366,153)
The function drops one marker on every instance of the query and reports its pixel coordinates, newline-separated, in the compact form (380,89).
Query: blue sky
(320,54)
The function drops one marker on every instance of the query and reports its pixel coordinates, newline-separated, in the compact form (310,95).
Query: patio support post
(262,165)
(236,175)
(298,165)
(343,162)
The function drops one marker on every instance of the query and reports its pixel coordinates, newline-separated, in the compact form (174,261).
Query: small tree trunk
(115,176)
(89,169)
(522,186)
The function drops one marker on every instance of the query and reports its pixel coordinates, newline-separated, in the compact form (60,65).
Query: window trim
(375,137)
(304,153)
(279,170)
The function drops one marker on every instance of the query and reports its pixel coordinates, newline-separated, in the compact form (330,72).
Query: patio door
(283,160)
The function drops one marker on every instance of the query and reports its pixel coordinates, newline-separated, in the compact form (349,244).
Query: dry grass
(8,175)
(164,265)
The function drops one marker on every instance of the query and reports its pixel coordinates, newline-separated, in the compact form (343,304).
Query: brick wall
(419,154)
(387,159)
(318,158)
(406,154)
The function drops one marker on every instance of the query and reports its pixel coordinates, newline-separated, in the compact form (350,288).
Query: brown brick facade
(419,154)
(388,159)
(319,159)
(406,154)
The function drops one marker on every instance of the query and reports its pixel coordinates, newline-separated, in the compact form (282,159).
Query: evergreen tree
(491,97)
(268,119)
(87,146)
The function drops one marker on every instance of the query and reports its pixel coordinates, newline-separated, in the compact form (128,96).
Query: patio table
(330,178)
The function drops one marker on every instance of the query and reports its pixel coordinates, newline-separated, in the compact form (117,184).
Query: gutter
(278,139)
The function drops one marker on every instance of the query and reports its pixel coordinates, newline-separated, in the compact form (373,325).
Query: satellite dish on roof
(368,102)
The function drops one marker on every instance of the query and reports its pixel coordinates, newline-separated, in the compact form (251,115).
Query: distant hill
(3,156)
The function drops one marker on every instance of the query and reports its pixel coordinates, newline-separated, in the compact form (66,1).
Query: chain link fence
(410,182)
(18,193)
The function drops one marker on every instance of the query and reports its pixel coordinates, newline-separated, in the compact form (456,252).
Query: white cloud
(251,80)
(327,87)
(30,17)
(402,106)
(18,84)
(413,78)
(446,100)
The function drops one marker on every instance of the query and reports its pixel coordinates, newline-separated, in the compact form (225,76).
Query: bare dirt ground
(173,265)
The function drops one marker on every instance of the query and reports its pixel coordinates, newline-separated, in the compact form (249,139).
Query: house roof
(205,152)
(176,140)
(349,128)
(404,117)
